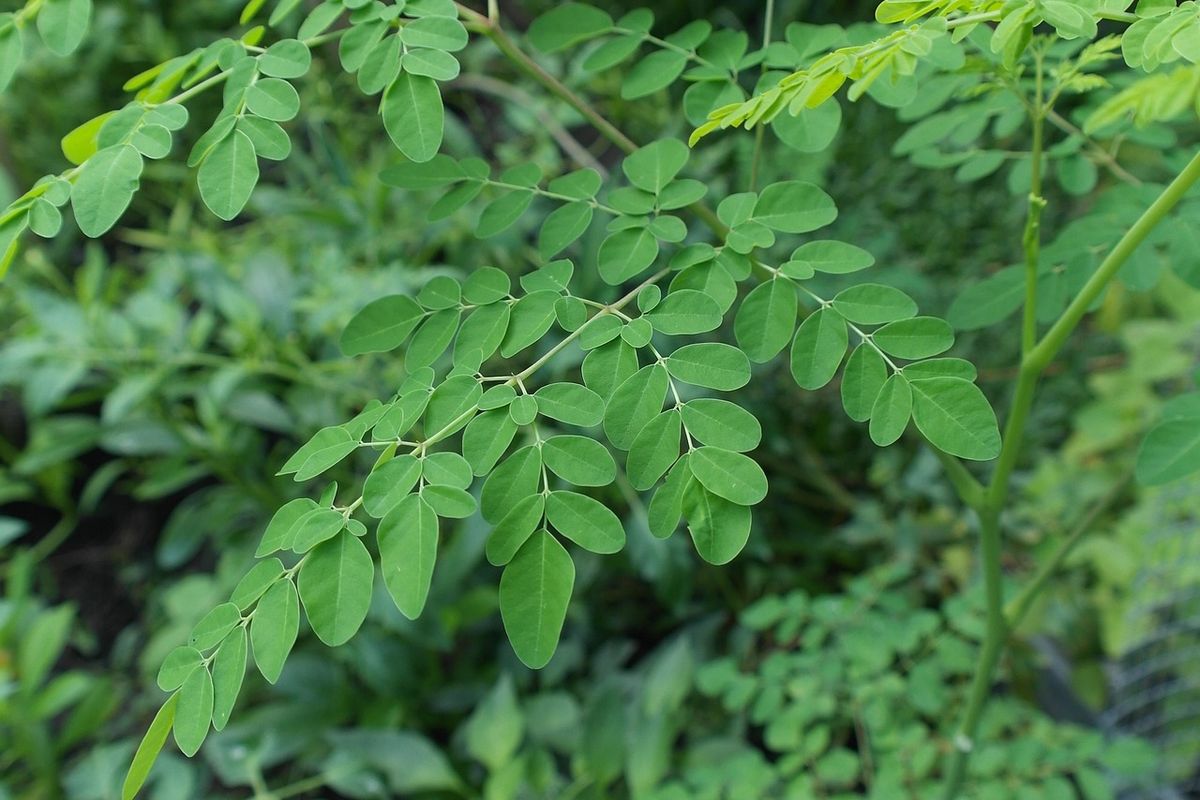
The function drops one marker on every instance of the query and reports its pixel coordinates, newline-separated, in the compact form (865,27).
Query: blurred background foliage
(154,382)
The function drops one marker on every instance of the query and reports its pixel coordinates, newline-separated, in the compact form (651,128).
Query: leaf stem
(1033,218)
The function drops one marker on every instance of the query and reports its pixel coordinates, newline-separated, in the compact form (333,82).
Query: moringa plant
(690,292)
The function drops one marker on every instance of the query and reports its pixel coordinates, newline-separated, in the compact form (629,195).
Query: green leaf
(941,368)
(666,507)
(485,285)
(535,590)
(570,403)
(255,582)
(684,312)
(12,49)
(408,542)
(956,418)
(452,404)
(891,412)
(710,364)
(413,116)
(228,671)
(634,403)
(626,254)
(585,521)
(652,167)
(381,325)
(794,207)
(514,479)
(719,528)
(432,338)
(335,587)
(62,24)
(104,188)
(568,24)
(177,666)
(514,529)
(149,748)
(919,337)
(194,711)
(228,175)
(654,450)
(608,366)
(500,214)
(835,258)
(864,376)
(315,527)
(874,304)
(730,475)
(812,130)
(436,33)
(390,483)
(487,438)
(579,460)
(274,628)
(482,332)
(324,450)
(766,319)
(1171,450)
(654,72)
(281,531)
(721,424)
(287,58)
(562,227)
(818,348)
(214,626)
(532,316)
(450,502)
(436,64)
(273,99)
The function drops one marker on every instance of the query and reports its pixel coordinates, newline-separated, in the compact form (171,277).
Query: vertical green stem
(1035,361)
(760,129)
(1033,219)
